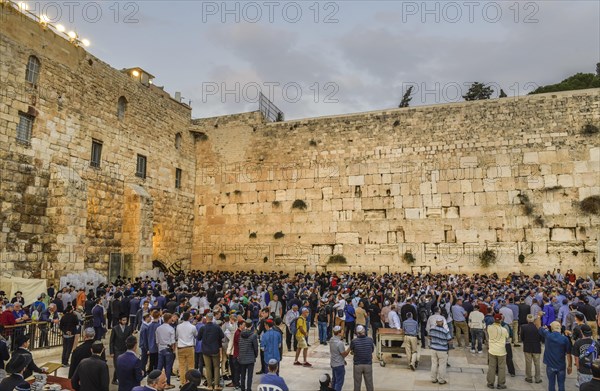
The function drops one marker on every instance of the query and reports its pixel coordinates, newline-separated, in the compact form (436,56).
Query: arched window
(32,73)
(121,108)
(178,141)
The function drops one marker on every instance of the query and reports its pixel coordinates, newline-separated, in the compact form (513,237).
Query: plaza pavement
(466,373)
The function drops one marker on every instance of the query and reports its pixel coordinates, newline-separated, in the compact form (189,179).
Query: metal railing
(41,334)
(269,110)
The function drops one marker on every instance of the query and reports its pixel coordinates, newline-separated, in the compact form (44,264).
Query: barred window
(24,128)
(140,170)
(96,153)
(178,178)
(32,73)
(178,141)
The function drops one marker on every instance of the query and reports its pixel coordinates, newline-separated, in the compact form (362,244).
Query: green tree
(478,91)
(406,98)
(502,94)
(579,81)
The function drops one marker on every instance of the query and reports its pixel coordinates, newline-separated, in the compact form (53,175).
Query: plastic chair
(268,387)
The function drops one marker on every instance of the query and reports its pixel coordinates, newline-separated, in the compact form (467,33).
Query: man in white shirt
(394,319)
(432,320)
(165,339)
(186,334)
(477,327)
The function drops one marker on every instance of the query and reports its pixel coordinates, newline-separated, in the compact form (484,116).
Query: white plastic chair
(268,387)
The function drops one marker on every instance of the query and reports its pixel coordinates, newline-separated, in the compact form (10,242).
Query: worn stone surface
(442,183)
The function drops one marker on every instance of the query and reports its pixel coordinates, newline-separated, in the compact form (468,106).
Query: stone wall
(443,183)
(57,213)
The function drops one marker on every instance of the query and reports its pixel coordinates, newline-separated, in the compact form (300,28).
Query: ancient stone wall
(58,213)
(439,185)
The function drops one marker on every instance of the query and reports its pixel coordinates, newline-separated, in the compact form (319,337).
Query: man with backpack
(322,322)
(585,352)
(290,318)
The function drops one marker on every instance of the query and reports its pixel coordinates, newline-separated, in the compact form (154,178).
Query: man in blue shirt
(557,347)
(411,329)
(272,378)
(270,342)
(459,315)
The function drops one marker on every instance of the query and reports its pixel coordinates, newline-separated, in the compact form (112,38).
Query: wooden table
(390,335)
(64,383)
(52,367)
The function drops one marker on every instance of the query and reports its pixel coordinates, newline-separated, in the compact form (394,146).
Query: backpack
(423,313)
(589,356)
(294,325)
(323,313)
(254,311)
(444,311)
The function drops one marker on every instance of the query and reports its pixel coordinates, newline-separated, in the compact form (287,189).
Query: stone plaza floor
(467,371)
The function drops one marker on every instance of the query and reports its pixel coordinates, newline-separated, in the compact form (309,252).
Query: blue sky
(338,57)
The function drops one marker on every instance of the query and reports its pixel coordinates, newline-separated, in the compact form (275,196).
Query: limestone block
(413,213)
(347,237)
(356,180)
(466,236)
(562,234)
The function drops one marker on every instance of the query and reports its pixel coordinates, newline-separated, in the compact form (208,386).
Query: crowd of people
(223,328)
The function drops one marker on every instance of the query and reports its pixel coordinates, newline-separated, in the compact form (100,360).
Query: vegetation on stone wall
(299,204)
(252,235)
(222,256)
(521,258)
(201,136)
(278,235)
(275,203)
(237,192)
(408,257)
(406,98)
(312,143)
(337,259)
(578,81)
(590,130)
(487,258)
(590,205)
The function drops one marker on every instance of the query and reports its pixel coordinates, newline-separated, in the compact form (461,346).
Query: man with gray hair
(532,348)
(84,350)
(362,347)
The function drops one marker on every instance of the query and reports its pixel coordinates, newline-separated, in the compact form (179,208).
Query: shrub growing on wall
(299,204)
(591,205)
(278,235)
(408,257)
(487,258)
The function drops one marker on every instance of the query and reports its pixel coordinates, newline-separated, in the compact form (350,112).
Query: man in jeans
(477,327)
(439,338)
(532,348)
(338,353)
(497,339)
(583,361)
(362,348)
(557,347)
(165,340)
(211,336)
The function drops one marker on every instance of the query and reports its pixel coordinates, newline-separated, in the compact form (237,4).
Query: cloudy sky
(322,58)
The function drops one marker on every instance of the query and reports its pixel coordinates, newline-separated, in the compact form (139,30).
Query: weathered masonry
(100,168)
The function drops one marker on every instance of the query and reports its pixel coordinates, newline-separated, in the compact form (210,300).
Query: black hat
(24,386)
(21,339)
(155,374)
(194,376)
(17,363)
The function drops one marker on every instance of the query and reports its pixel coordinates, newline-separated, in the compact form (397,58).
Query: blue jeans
(477,339)
(337,380)
(554,376)
(165,361)
(322,332)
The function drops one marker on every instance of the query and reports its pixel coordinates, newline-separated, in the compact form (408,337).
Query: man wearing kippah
(362,347)
(156,381)
(557,347)
(272,378)
(532,348)
(338,353)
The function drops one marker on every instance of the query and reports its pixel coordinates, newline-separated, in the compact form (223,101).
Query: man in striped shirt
(439,337)
(362,347)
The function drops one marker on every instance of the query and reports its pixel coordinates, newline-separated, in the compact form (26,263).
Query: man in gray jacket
(247,357)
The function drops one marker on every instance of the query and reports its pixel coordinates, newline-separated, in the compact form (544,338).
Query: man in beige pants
(411,343)
(186,334)
(497,339)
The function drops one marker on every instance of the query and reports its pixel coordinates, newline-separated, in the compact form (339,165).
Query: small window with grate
(178,178)
(32,73)
(24,128)
(96,153)
(140,170)
(178,141)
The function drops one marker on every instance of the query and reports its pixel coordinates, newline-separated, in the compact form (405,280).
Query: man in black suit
(84,350)
(118,338)
(129,368)
(92,373)
(16,366)
(22,343)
